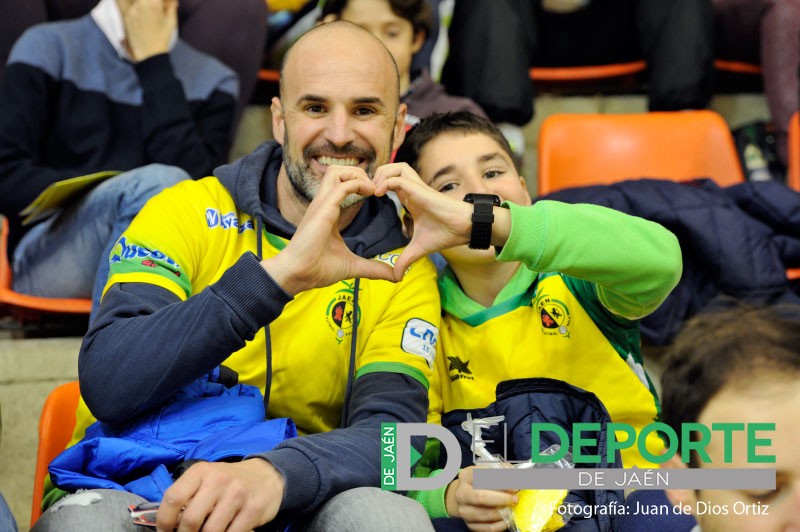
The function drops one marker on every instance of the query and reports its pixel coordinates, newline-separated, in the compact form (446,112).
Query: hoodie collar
(252,181)
(108,18)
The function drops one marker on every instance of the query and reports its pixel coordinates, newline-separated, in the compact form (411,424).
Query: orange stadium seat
(55,430)
(592,149)
(268,75)
(585,73)
(24,301)
(737,67)
(793,175)
(793,152)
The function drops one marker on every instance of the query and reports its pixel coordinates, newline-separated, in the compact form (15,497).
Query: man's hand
(439,221)
(235,497)
(480,509)
(149,26)
(317,256)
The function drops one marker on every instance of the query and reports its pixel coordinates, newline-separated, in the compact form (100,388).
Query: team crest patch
(340,312)
(554,316)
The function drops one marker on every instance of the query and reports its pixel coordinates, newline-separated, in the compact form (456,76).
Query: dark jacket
(523,402)
(737,242)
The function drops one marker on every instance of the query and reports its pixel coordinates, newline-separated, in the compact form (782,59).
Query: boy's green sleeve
(634,262)
(432,500)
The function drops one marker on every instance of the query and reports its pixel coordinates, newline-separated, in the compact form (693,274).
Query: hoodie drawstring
(267,335)
(351,366)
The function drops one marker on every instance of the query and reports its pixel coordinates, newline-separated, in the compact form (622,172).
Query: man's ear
(418,43)
(679,497)
(278,120)
(399,127)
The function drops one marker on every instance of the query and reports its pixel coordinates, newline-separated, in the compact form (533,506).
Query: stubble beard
(306,184)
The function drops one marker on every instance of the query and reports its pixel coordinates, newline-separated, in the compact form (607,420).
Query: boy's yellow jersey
(549,333)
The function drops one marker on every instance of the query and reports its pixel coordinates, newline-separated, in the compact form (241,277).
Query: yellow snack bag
(536,510)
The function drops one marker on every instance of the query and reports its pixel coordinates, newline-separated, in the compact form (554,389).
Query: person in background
(278,267)
(545,290)
(7,521)
(233,31)
(739,366)
(765,32)
(402,25)
(114,91)
(494,43)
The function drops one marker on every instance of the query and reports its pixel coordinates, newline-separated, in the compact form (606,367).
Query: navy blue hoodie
(139,349)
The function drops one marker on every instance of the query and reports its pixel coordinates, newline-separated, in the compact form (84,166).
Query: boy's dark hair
(437,124)
(738,348)
(417,12)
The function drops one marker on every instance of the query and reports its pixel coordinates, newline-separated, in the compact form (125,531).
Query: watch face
(484,199)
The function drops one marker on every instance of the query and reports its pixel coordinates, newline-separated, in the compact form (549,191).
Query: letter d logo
(404,433)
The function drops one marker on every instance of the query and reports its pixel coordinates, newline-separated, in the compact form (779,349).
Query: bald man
(280,267)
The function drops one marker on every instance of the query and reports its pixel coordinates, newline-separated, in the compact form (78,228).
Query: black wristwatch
(482,219)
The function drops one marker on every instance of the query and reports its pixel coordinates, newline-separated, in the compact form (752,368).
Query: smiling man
(278,267)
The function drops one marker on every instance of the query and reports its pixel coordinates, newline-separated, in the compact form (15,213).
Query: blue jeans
(362,509)
(66,255)
(7,522)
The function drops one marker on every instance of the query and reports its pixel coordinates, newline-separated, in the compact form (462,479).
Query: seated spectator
(279,267)
(739,366)
(764,32)
(7,521)
(402,25)
(493,44)
(114,90)
(539,295)
(232,31)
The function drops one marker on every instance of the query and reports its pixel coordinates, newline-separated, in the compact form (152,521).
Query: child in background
(402,25)
(739,366)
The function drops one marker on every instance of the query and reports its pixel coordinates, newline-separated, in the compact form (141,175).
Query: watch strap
(482,219)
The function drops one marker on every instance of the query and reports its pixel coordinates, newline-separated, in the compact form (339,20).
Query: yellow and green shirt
(570,312)
(311,338)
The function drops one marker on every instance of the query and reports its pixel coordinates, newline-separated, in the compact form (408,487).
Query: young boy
(402,25)
(556,291)
(739,366)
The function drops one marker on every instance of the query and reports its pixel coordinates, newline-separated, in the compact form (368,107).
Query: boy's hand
(439,221)
(480,509)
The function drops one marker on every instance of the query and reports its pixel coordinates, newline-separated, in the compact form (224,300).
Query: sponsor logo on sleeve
(227,221)
(150,258)
(419,338)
